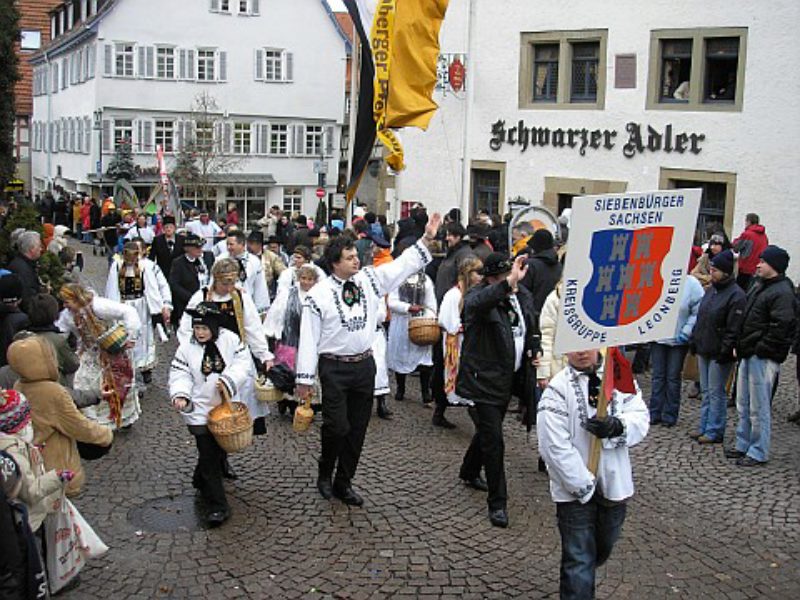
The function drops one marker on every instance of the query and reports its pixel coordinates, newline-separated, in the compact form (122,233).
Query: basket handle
(223,394)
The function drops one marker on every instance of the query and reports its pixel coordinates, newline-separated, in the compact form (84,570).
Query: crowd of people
(336,305)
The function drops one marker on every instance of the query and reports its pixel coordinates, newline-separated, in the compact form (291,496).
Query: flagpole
(602,412)
(470,83)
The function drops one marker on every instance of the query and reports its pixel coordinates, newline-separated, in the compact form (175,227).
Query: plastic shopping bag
(70,541)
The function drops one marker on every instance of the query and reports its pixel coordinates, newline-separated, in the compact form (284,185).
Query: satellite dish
(538,217)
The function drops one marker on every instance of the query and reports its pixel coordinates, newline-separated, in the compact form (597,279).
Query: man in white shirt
(205,228)
(251,272)
(336,333)
(141,230)
(590,508)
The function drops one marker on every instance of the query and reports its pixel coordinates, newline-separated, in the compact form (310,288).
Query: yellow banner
(381,37)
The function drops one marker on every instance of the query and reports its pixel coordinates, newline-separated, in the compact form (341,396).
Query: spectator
(716,244)
(749,246)
(232,216)
(12,319)
(29,249)
(544,268)
(767,333)
(301,235)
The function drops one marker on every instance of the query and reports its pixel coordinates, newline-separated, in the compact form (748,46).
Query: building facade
(616,98)
(254,90)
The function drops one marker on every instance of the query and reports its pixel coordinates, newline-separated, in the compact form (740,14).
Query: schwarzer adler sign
(627,259)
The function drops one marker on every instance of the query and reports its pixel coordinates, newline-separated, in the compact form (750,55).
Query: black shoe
(734,453)
(218,517)
(426,400)
(499,517)
(794,417)
(147,377)
(228,472)
(325,488)
(654,421)
(749,461)
(347,495)
(282,406)
(441,421)
(667,424)
(399,397)
(541,466)
(476,483)
(383,411)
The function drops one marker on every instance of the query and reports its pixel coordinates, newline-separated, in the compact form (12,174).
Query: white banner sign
(627,258)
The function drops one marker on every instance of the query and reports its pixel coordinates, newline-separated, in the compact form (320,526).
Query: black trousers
(424,382)
(487,449)
(437,379)
(347,390)
(208,472)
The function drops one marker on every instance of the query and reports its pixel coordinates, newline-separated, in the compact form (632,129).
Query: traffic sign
(320,166)
(320,193)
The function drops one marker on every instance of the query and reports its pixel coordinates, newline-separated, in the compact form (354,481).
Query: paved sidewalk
(698,527)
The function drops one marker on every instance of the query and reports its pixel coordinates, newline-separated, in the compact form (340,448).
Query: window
(204,135)
(205,65)
(30,39)
(165,135)
(123,59)
(545,72)
(485,191)
(243,8)
(292,200)
(274,64)
(279,139)
(716,203)
(123,132)
(313,145)
(563,69)
(697,69)
(241,138)
(165,62)
(225,5)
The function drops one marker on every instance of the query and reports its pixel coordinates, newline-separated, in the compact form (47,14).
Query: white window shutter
(87,135)
(299,138)
(148,136)
(219,144)
(227,140)
(215,5)
(182,63)
(179,135)
(150,61)
(92,59)
(108,61)
(140,61)
(263,140)
(107,141)
(254,7)
(139,136)
(223,65)
(328,141)
(288,67)
(259,66)
(190,64)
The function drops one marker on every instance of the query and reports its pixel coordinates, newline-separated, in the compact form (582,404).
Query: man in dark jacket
(301,235)
(29,249)
(544,268)
(719,319)
(187,275)
(500,336)
(166,247)
(12,319)
(766,336)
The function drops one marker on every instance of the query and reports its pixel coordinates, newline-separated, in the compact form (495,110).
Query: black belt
(348,358)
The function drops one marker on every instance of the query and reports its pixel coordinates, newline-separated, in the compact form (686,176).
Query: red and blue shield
(626,282)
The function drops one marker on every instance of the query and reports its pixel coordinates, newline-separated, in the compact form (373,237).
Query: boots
(400,393)
(383,410)
(425,384)
(439,420)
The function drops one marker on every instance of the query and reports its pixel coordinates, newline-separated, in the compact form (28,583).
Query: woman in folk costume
(103,367)
(450,312)
(414,298)
(213,361)
(139,283)
(240,316)
(283,323)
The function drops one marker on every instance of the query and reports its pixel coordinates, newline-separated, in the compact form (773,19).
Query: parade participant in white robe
(381,369)
(283,325)
(251,271)
(469,275)
(140,229)
(340,317)
(212,362)
(88,316)
(139,283)
(205,228)
(414,298)
(239,315)
(301,256)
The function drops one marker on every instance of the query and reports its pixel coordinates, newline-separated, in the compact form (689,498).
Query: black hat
(273,239)
(776,257)
(192,240)
(257,237)
(10,288)
(496,263)
(542,239)
(168,219)
(206,313)
(724,262)
(42,309)
(477,231)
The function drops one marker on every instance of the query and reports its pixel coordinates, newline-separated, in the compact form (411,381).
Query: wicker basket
(266,392)
(231,425)
(423,331)
(303,416)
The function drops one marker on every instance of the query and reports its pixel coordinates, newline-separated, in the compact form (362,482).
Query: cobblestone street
(698,526)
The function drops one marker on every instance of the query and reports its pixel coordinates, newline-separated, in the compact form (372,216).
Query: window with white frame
(241,138)
(165,62)
(165,135)
(123,59)
(313,145)
(274,64)
(292,200)
(248,7)
(205,64)
(204,135)
(278,139)
(123,132)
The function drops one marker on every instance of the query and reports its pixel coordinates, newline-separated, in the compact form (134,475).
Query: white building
(131,70)
(556,95)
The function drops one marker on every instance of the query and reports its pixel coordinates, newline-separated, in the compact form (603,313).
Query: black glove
(604,428)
